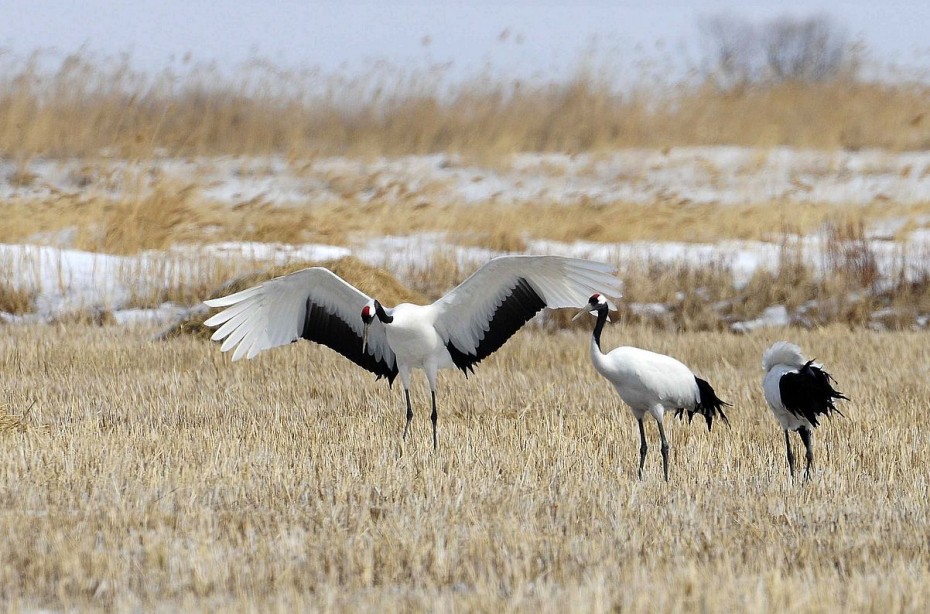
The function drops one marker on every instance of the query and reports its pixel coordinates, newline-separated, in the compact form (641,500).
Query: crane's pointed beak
(365,337)
(581,312)
(584,310)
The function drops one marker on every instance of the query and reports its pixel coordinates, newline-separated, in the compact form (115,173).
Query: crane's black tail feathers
(710,405)
(809,393)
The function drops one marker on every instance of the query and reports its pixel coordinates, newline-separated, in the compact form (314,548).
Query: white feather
(413,336)
(463,315)
(646,381)
(782,353)
(272,313)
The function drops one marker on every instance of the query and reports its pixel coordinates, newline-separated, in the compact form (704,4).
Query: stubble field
(156,475)
(143,475)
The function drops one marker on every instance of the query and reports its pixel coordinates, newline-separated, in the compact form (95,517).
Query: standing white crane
(798,391)
(459,330)
(651,383)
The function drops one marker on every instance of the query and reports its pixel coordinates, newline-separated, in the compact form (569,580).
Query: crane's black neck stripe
(599,325)
(515,310)
(326,328)
(382,314)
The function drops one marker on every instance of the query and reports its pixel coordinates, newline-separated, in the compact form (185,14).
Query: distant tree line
(739,52)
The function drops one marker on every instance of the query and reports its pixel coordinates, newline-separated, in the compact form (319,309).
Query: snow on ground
(711,175)
(67,281)
(272,253)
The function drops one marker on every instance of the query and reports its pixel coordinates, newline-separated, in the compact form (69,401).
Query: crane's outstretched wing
(314,304)
(485,310)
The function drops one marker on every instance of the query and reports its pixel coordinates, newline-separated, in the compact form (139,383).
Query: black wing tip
(516,309)
(388,376)
(464,362)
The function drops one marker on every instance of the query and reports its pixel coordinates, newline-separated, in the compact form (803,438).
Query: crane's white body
(646,381)
(798,391)
(770,386)
(416,343)
(459,330)
(651,383)
(779,360)
(272,313)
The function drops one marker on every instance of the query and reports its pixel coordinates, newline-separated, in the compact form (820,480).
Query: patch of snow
(70,281)
(649,309)
(277,253)
(164,313)
(67,280)
(774,316)
(700,175)
(410,252)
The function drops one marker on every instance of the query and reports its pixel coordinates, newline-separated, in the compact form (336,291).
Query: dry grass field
(144,475)
(155,475)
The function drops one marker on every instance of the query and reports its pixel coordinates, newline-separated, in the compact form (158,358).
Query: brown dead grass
(691,291)
(157,221)
(173,214)
(15,299)
(697,296)
(88,106)
(10,423)
(172,479)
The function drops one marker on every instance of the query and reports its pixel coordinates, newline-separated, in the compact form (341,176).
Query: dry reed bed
(174,214)
(841,278)
(169,478)
(92,104)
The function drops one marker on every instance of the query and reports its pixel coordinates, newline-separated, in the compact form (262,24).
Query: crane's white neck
(597,356)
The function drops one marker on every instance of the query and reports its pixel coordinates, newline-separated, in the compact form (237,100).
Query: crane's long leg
(790,453)
(434,417)
(409,412)
(809,455)
(642,447)
(664,449)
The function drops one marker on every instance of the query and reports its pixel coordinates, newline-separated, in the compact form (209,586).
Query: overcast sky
(544,37)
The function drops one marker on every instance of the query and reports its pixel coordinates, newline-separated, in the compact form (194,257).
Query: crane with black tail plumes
(799,392)
(651,383)
(461,329)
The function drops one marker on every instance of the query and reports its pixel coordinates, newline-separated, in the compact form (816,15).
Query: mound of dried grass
(371,280)
(16,300)
(152,221)
(10,423)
